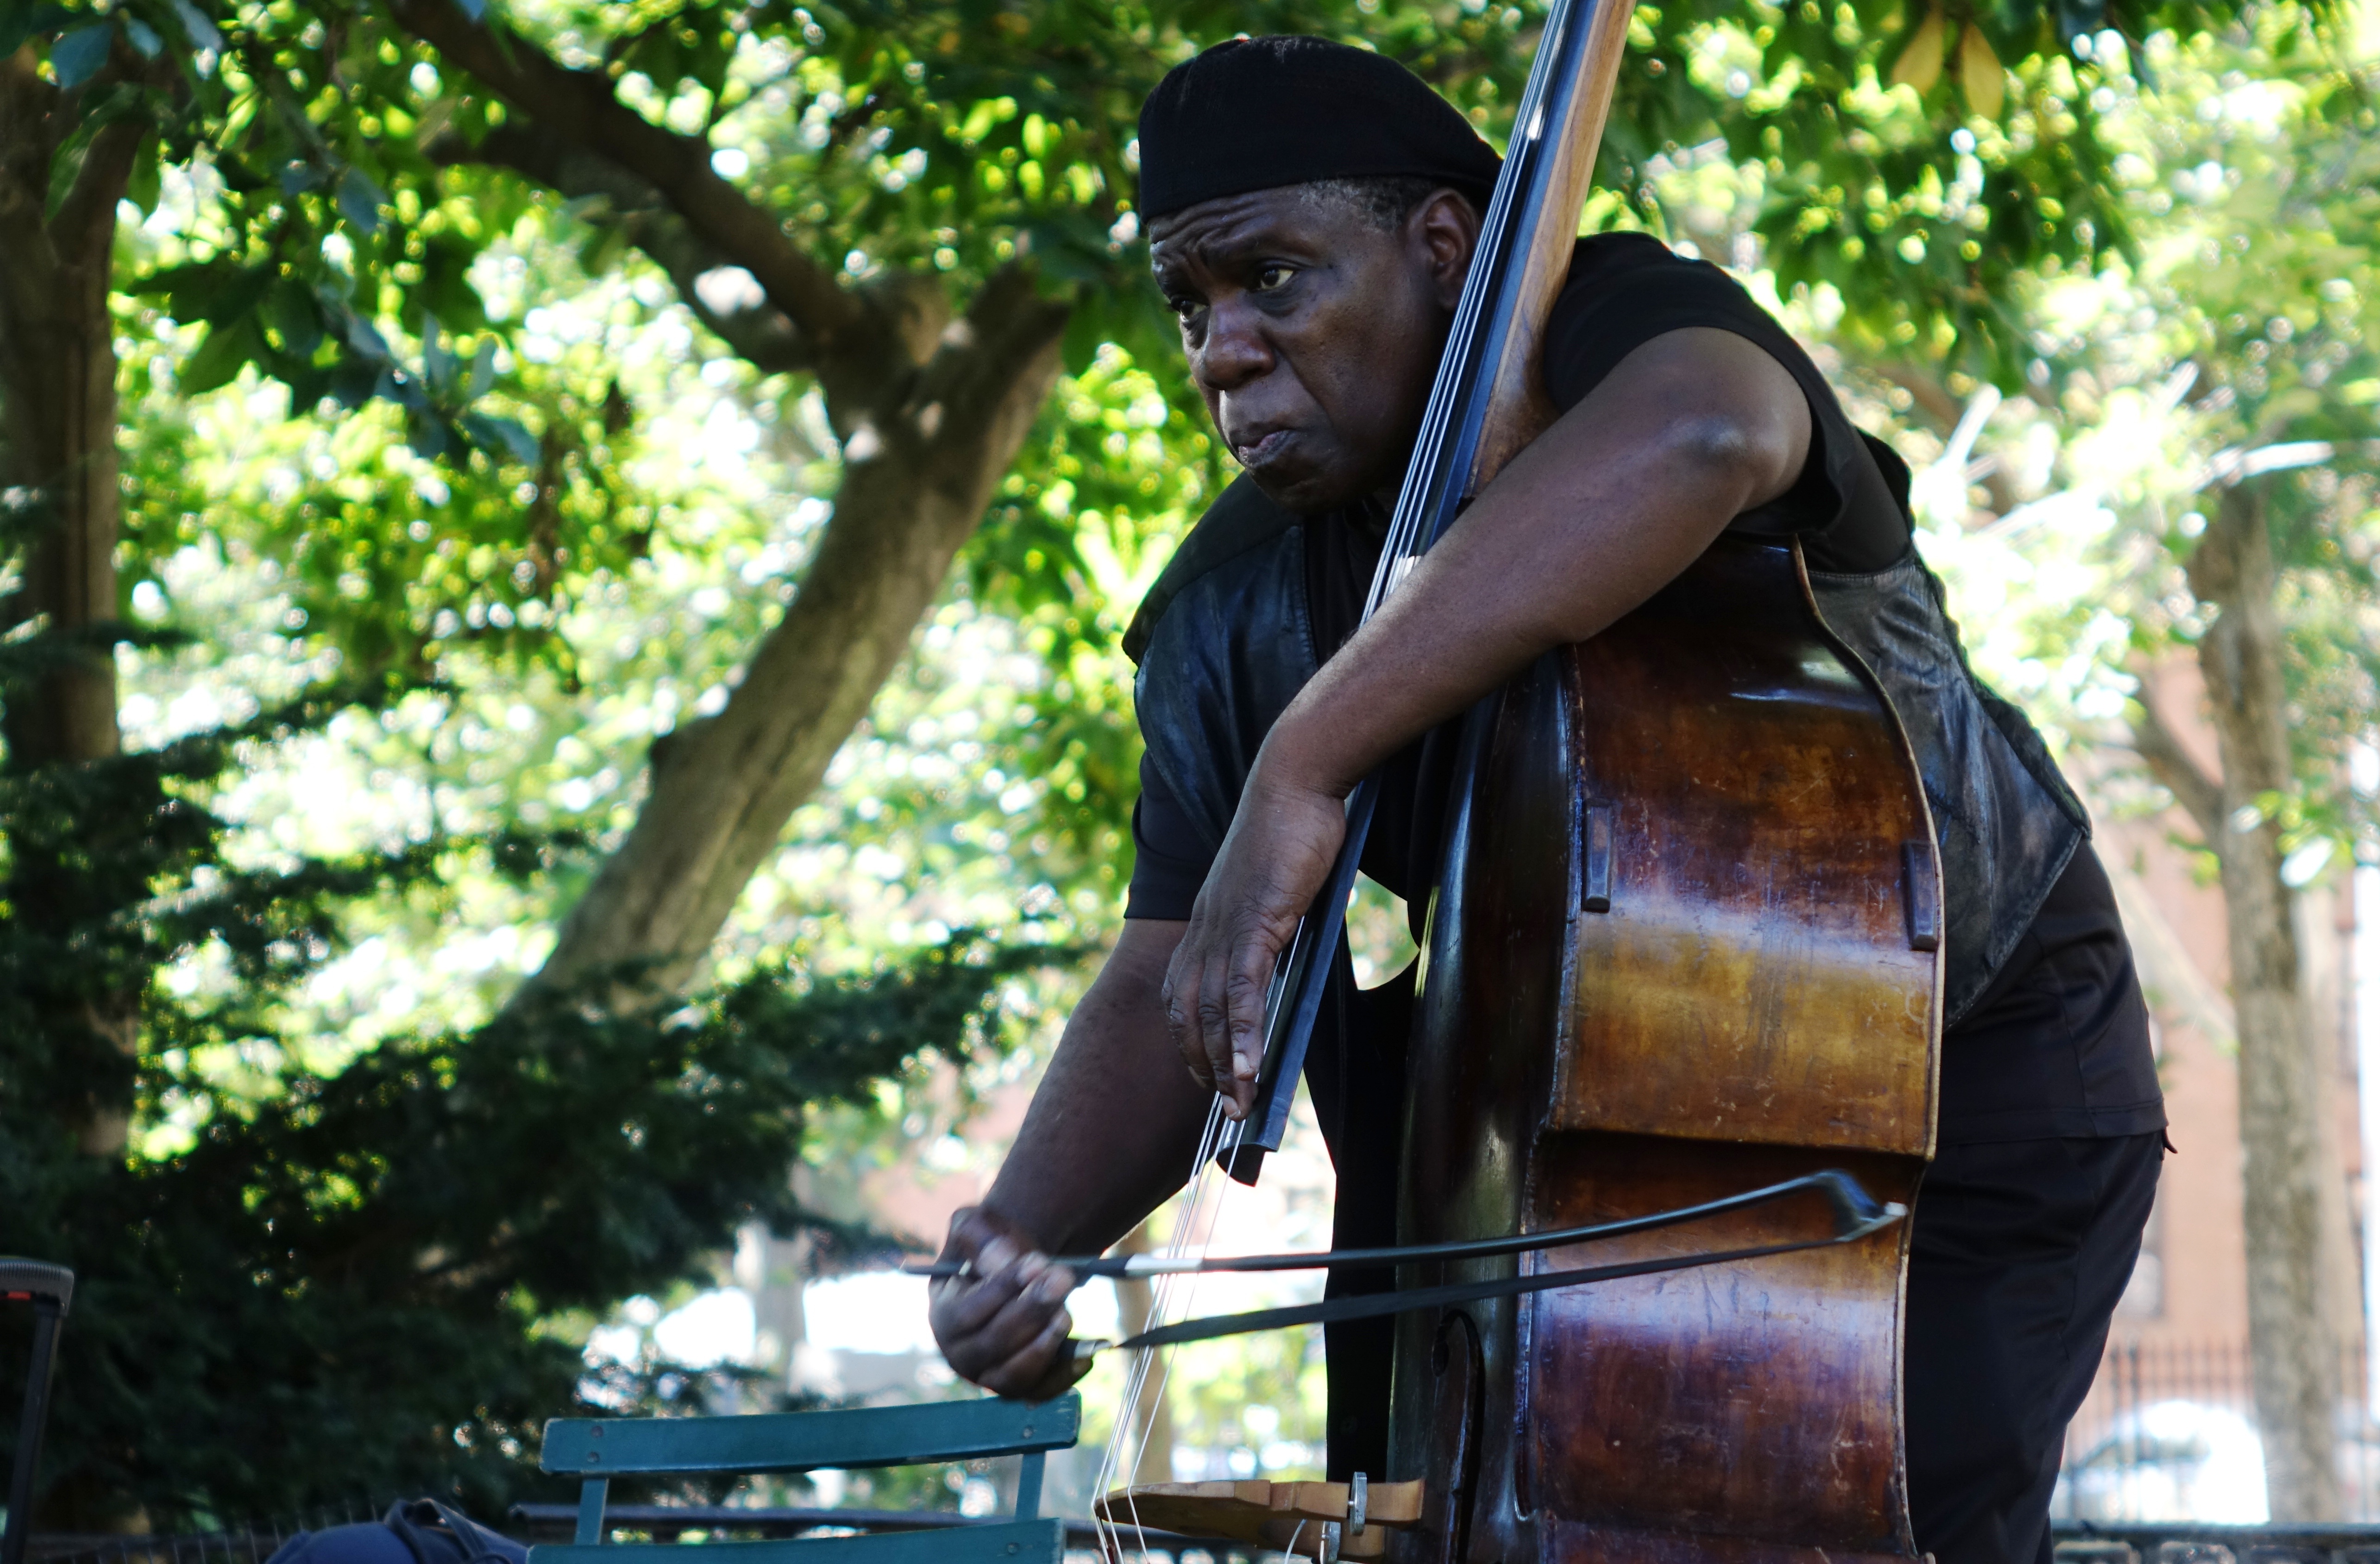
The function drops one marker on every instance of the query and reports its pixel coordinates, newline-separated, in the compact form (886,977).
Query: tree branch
(580,107)
(725,786)
(1943,408)
(759,334)
(1932,398)
(86,219)
(2161,750)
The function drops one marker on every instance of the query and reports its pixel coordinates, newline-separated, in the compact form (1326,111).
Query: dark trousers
(2020,1249)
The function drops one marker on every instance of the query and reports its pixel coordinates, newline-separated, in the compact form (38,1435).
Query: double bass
(1684,942)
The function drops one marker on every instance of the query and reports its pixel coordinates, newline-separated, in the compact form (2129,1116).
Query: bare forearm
(1597,515)
(1112,1127)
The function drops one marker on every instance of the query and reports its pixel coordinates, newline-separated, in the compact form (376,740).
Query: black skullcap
(1255,114)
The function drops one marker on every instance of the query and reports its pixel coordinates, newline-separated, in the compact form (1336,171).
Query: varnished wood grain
(1748,1008)
(1757,1397)
(1754,978)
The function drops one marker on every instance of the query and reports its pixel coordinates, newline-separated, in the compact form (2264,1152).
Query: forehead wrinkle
(1231,234)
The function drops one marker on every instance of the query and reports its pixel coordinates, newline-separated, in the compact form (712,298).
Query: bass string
(1189,1229)
(1170,1298)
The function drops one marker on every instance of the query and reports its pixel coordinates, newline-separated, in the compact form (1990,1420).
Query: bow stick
(1364,1306)
(1856,1214)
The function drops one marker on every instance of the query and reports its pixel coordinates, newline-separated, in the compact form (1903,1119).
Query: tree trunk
(57,449)
(930,419)
(723,786)
(58,409)
(2294,1341)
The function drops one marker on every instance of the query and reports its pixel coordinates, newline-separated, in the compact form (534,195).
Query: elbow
(1743,460)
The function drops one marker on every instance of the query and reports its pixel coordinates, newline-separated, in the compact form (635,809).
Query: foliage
(2268,301)
(331,200)
(317,236)
(2241,345)
(377,1261)
(342,214)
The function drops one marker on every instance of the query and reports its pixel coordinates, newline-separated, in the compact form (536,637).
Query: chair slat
(1012,1541)
(803,1441)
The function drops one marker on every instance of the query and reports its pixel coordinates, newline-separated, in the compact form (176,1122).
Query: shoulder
(1601,257)
(1240,523)
(1636,272)
(1625,289)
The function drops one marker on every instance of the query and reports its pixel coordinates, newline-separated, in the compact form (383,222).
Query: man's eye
(1183,308)
(1271,277)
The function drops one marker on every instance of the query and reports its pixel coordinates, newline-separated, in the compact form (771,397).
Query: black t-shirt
(2059,1045)
(1625,289)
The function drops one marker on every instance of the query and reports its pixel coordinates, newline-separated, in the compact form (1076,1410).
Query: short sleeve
(1169,862)
(1626,290)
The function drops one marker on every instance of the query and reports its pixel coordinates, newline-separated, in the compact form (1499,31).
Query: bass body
(1685,941)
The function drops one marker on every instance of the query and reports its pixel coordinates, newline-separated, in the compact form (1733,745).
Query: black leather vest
(2004,817)
(1226,641)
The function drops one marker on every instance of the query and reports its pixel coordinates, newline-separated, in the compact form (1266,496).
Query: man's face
(1313,332)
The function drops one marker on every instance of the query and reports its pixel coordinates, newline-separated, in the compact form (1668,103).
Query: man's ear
(1445,230)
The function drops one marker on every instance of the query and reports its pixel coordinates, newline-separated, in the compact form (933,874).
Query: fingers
(1218,1031)
(1004,1326)
(1062,1376)
(1275,858)
(1244,998)
(1046,1353)
(1181,1022)
(1215,1026)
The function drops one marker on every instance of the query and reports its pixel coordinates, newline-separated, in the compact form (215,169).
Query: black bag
(418,1531)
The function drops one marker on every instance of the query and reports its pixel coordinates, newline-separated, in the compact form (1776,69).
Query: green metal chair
(597,1449)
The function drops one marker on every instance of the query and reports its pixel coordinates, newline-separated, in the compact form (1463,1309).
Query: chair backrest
(597,1449)
(50,1289)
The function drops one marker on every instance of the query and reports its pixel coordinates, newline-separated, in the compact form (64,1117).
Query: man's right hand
(1004,1324)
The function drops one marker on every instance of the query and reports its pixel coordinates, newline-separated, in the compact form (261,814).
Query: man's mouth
(1263,447)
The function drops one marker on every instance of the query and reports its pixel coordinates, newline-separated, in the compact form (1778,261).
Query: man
(1311,211)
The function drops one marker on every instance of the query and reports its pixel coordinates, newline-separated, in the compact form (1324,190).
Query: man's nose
(1235,351)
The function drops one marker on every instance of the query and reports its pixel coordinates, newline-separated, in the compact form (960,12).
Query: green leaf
(1083,339)
(438,363)
(142,37)
(18,22)
(499,437)
(77,56)
(984,116)
(483,371)
(445,286)
(196,28)
(360,200)
(290,310)
(118,100)
(142,184)
(207,290)
(363,338)
(427,435)
(229,346)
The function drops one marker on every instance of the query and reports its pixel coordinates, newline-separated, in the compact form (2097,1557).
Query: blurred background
(567,752)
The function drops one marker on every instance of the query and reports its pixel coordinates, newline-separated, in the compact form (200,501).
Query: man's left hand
(1282,845)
